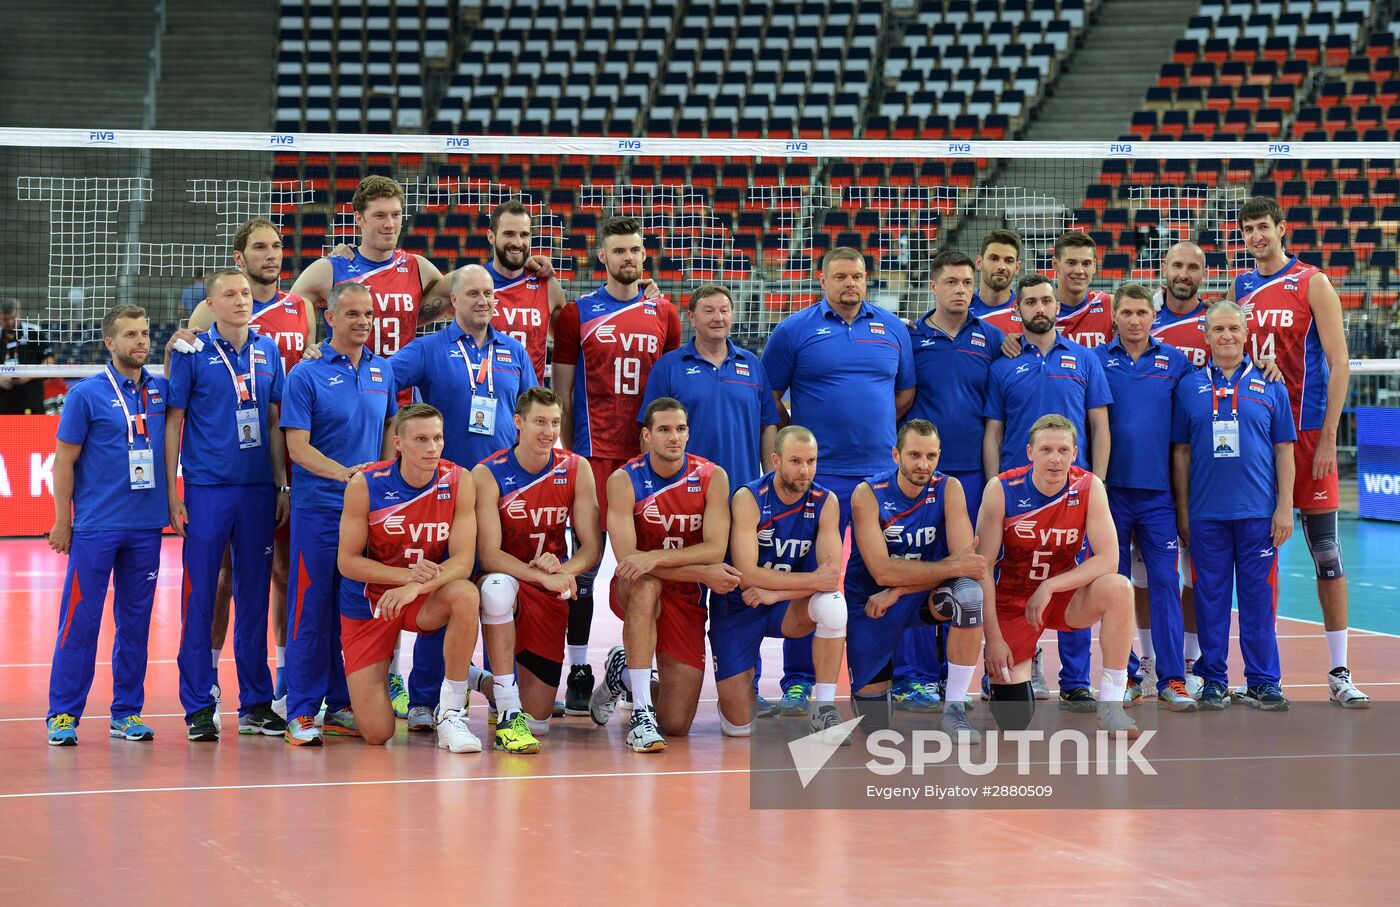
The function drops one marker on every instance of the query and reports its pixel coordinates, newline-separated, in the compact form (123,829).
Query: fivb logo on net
(1065,752)
(101,137)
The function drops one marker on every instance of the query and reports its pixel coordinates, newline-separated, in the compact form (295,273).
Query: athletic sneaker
(578,690)
(1267,697)
(827,722)
(603,702)
(1078,699)
(942,689)
(1214,697)
(63,730)
(1174,698)
(643,734)
(132,727)
(796,699)
(956,725)
(764,708)
(453,733)
(1343,692)
(987,687)
(1194,685)
(302,731)
(1038,685)
(559,708)
(420,720)
(398,696)
(912,696)
(1113,719)
(218,695)
(202,728)
(1132,693)
(1148,669)
(340,723)
(279,705)
(261,719)
(514,736)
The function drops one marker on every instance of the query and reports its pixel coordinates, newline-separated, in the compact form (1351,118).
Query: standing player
(785,541)
(527,496)
(906,520)
(1051,374)
(1085,315)
(1034,522)
(528,293)
(997,266)
(109,510)
(227,399)
(407,540)
(850,370)
(1297,318)
(668,514)
(1143,374)
(605,344)
(336,413)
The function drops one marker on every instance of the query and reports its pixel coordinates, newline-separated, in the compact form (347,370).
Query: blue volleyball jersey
(787,533)
(913,529)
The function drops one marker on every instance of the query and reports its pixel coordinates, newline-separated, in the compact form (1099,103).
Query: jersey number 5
(1040,565)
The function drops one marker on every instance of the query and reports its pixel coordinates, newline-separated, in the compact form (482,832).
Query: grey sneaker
(826,721)
(956,725)
(420,719)
(1113,719)
(1038,685)
(603,702)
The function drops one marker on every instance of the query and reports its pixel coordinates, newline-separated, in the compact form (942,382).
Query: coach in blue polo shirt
(227,398)
(1051,375)
(733,419)
(336,413)
(1143,374)
(473,374)
(849,370)
(109,510)
(1232,465)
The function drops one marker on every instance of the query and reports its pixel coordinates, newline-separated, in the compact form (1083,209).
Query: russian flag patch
(741,368)
(877,328)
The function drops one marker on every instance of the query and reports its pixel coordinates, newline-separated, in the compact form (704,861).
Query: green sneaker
(1078,699)
(514,736)
(796,699)
(398,695)
(912,696)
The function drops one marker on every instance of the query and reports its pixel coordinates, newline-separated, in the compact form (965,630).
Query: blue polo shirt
(1140,417)
(727,406)
(1232,488)
(1068,380)
(345,409)
(842,379)
(434,364)
(952,386)
(102,496)
(977,308)
(201,385)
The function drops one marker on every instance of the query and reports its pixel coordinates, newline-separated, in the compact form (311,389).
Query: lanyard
(240,386)
(1219,392)
(140,420)
(483,372)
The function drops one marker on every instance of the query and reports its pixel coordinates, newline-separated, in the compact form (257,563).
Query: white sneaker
(280,707)
(453,733)
(1194,685)
(643,734)
(1343,692)
(1148,669)
(1113,719)
(420,719)
(218,695)
(1038,685)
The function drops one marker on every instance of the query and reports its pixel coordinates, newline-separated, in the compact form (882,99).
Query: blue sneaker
(986,687)
(1215,697)
(764,708)
(1267,697)
(132,727)
(63,730)
(398,695)
(796,699)
(912,696)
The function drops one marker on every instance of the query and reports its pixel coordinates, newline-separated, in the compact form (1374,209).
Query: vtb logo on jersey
(642,343)
(765,537)
(394,302)
(538,516)
(1273,318)
(1051,535)
(419,532)
(671,521)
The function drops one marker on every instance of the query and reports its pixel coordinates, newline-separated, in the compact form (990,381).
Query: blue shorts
(737,631)
(871,642)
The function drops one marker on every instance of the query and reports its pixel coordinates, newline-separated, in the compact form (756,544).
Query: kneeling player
(905,521)
(785,540)
(668,515)
(1035,520)
(407,543)
(526,497)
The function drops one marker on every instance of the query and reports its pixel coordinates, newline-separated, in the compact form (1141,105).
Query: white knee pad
(1138,566)
(734,730)
(828,609)
(498,592)
(1188,573)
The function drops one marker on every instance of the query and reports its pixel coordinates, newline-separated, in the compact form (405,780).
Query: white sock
(507,695)
(1337,647)
(215,654)
(1192,646)
(578,655)
(639,682)
(474,675)
(959,679)
(281,656)
(1145,647)
(454,694)
(823,694)
(394,667)
(1111,685)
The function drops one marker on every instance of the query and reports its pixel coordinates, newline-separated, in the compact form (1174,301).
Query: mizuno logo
(336,379)
(214,360)
(1110,363)
(508,480)
(1267,552)
(391,495)
(1203,389)
(929,341)
(1319,495)
(1021,369)
(152,575)
(1023,502)
(693,370)
(823,330)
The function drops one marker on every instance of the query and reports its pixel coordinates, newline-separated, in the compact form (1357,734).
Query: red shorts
(1019,635)
(680,628)
(1310,493)
(541,620)
(604,467)
(368,641)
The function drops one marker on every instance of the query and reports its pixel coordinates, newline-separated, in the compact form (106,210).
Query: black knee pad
(875,711)
(1013,705)
(1320,531)
(958,602)
(580,621)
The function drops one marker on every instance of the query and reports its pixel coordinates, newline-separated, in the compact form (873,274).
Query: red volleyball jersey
(1041,534)
(1091,322)
(1281,327)
(1185,332)
(522,312)
(284,320)
(397,290)
(535,507)
(670,512)
(1004,319)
